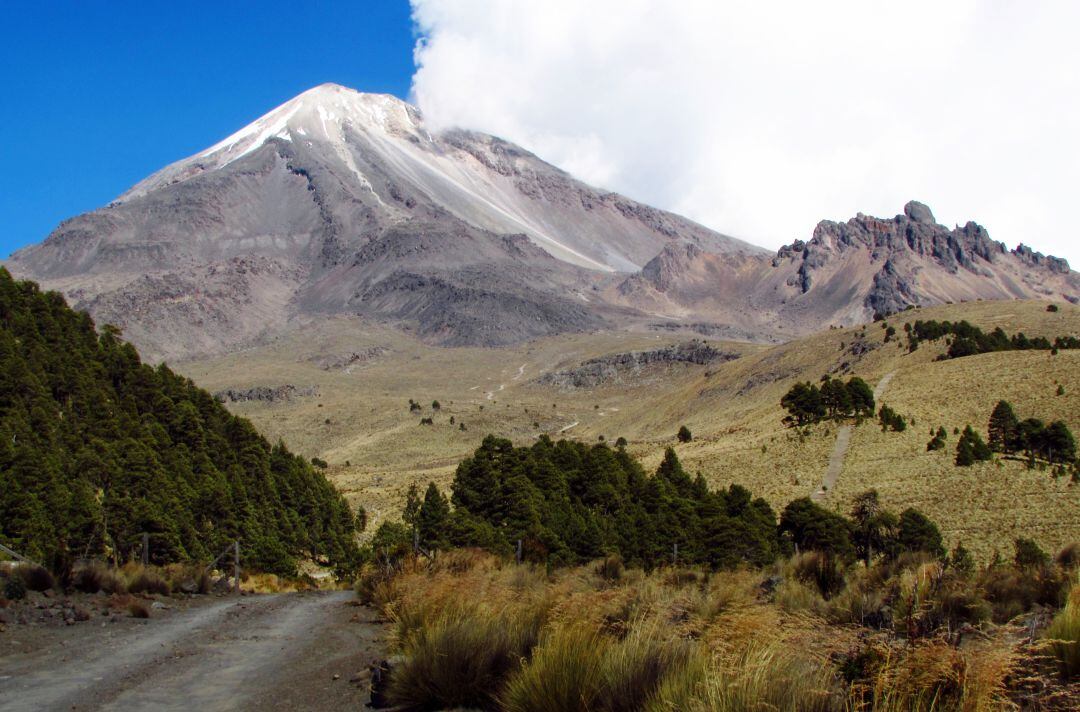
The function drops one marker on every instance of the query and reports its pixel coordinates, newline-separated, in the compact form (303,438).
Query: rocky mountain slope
(846,273)
(339,202)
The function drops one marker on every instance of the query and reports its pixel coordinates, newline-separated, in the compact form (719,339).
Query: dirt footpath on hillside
(269,652)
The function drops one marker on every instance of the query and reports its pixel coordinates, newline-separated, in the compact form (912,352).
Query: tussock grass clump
(95,577)
(565,672)
(577,668)
(761,675)
(188,578)
(905,634)
(820,569)
(635,667)
(794,596)
(610,568)
(934,675)
(462,659)
(145,580)
(1064,636)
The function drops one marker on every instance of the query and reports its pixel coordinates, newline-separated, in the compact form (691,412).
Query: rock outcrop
(619,368)
(266,394)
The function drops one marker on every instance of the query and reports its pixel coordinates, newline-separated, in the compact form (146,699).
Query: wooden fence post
(675,554)
(236,566)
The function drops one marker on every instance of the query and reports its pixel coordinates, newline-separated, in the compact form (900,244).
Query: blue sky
(96,96)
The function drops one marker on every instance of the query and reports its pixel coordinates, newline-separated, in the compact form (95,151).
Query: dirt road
(258,652)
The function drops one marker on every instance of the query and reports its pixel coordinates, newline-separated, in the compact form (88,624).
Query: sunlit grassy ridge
(733,410)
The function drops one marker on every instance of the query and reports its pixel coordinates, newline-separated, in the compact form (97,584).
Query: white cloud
(760,118)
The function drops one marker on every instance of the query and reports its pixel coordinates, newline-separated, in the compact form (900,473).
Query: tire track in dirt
(233,654)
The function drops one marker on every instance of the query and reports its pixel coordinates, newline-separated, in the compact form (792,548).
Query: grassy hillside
(362,425)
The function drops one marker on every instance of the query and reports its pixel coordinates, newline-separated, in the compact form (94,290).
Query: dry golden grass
(475,630)
(376,447)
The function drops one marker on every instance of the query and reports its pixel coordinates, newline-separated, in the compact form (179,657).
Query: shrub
(14,588)
(36,578)
(685,435)
(1029,554)
(937,442)
(1069,557)
(919,533)
(812,527)
(961,560)
(890,419)
(1051,307)
(139,609)
(1012,592)
(821,570)
(610,568)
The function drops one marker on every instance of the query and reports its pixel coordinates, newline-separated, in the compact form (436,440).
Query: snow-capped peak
(322,113)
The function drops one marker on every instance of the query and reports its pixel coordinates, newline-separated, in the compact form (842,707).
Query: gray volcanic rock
(348,204)
(618,367)
(843,275)
(265,394)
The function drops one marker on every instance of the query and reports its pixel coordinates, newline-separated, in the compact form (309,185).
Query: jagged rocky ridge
(846,273)
(339,202)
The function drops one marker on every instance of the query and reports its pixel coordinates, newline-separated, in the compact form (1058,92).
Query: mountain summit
(343,202)
(339,202)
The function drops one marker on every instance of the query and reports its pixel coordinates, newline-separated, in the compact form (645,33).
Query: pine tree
(918,533)
(411,513)
(861,396)
(961,560)
(1003,430)
(97,448)
(1029,554)
(971,448)
(684,434)
(433,518)
(1059,443)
